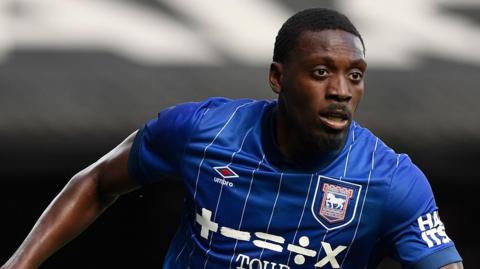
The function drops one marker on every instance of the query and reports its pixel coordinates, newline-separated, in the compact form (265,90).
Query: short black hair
(312,19)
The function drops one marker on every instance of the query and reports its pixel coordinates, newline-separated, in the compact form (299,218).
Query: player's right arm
(144,157)
(81,201)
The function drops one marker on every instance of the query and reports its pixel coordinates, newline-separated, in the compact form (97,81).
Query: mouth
(336,120)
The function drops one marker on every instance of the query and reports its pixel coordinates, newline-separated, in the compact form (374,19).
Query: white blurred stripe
(460,3)
(5,34)
(397,32)
(136,32)
(245,29)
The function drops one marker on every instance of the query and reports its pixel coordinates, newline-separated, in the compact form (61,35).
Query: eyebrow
(360,62)
(357,62)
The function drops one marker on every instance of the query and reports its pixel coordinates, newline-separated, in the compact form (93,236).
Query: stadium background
(76,77)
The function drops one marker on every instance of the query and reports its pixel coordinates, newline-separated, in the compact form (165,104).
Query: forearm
(72,211)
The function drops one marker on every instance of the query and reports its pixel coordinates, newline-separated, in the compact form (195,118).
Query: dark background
(62,108)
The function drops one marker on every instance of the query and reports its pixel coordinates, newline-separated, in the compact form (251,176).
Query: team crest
(335,202)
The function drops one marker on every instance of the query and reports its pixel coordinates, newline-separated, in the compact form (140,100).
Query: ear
(275,77)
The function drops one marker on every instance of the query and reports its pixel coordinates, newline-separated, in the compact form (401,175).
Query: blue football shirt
(248,207)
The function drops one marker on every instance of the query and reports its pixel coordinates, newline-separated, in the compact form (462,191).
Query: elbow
(88,182)
(104,196)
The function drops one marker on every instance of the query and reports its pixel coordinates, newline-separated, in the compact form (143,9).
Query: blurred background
(78,76)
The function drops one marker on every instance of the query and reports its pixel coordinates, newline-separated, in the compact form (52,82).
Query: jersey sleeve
(158,147)
(412,224)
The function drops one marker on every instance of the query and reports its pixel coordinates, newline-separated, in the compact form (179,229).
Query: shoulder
(410,221)
(385,160)
(189,114)
(228,107)
(218,111)
(400,164)
(364,136)
(403,182)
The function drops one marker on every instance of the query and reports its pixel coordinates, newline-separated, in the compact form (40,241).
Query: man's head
(317,72)
(314,19)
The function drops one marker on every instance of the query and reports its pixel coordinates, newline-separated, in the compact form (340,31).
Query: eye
(320,72)
(355,75)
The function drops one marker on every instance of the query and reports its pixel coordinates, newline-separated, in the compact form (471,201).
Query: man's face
(320,85)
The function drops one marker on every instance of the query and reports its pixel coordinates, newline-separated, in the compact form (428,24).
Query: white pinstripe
(349,150)
(204,155)
(301,217)
(346,162)
(244,206)
(353,131)
(273,210)
(321,247)
(191,253)
(363,203)
(220,196)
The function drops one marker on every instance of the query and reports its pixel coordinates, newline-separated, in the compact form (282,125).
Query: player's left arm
(457,265)
(412,226)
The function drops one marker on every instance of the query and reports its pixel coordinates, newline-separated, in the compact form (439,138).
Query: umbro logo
(226,173)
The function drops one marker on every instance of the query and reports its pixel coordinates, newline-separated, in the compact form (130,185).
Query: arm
(457,265)
(413,228)
(82,200)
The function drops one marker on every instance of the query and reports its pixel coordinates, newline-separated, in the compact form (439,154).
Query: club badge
(335,202)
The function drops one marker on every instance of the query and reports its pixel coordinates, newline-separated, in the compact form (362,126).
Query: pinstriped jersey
(249,207)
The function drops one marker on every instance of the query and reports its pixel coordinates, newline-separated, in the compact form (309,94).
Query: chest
(236,196)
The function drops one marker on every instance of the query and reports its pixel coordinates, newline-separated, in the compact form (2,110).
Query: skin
(322,75)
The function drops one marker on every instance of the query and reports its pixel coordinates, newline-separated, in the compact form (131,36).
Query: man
(294,183)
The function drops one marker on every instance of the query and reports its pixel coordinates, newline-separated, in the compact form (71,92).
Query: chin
(332,142)
(328,141)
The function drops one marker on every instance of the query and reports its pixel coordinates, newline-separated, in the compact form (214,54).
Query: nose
(338,89)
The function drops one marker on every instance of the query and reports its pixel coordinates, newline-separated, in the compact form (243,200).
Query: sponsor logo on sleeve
(432,229)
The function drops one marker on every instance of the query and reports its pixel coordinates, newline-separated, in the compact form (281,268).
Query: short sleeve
(412,226)
(159,146)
